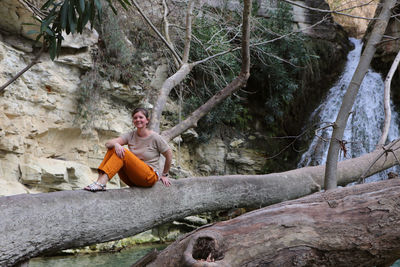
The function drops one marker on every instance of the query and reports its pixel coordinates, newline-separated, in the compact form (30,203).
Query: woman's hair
(143,110)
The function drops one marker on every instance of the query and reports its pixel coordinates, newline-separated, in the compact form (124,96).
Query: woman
(138,166)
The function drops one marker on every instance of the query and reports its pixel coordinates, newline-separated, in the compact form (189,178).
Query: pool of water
(125,257)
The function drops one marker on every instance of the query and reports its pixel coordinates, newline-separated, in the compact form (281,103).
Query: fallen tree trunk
(34,224)
(353,226)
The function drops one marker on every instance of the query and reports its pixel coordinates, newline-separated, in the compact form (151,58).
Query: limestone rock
(213,154)
(15,18)
(190,135)
(245,161)
(89,37)
(126,93)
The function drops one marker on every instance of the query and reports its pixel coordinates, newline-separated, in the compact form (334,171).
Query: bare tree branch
(385,151)
(157,31)
(166,31)
(388,112)
(188,37)
(33,62)
(235,85)
(338,12)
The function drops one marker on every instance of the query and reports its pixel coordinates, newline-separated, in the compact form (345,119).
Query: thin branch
(389,39)
(339,12)
(36,11)
(219,68)
(33,62)
(291,33)
(260,43)
(322,128)
(385,150)
(156,31)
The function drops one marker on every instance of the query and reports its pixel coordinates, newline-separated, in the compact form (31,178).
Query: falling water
(364,125)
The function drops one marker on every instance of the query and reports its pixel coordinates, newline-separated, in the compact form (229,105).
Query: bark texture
(351,93)
(353,226)
(31,225)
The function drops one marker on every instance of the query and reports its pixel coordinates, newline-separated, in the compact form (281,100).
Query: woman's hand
(164,179)
(119,150)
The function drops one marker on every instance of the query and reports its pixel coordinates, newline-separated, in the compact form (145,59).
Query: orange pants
(131,170)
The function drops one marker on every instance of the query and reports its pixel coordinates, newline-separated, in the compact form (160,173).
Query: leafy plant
(278,64)
(213,35)
(70,16)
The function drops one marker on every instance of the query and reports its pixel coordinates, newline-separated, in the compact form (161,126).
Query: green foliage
(230,112)
(277,64)
(213,36)
(70,16)
(277,67)
(212,39)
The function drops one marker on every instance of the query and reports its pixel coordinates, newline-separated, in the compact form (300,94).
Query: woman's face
(140,120)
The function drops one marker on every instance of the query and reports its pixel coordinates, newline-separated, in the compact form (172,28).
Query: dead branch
(388,112)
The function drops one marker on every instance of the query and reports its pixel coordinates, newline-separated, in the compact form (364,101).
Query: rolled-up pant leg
(131,170)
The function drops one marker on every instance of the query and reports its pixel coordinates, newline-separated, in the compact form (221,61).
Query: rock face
(42,145)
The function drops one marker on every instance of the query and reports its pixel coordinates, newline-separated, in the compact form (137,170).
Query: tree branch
(157,32)
(338,12)
(235,85)
(33,62)
(166,32)
(188,35)
(388,112)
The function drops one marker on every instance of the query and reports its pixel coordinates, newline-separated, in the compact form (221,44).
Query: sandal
(95,186)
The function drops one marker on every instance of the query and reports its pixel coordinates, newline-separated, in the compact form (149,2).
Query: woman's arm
(167,165)
(117,143)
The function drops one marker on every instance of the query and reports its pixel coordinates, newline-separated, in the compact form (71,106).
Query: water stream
(363,128)
(124,258)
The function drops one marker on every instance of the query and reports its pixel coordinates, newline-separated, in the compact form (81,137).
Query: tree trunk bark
(351,93)
(352,226)
(31,225)
(166,88)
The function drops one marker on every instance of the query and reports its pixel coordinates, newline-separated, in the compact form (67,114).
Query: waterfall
(364,125)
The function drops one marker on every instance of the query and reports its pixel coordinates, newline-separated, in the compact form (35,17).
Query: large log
(34,224)
(353,226)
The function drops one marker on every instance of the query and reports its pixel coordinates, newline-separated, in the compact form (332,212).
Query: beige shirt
(147,148)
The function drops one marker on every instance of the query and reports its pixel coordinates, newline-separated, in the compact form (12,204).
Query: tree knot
(204,249)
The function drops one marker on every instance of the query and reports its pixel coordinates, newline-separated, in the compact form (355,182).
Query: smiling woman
(138,165)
